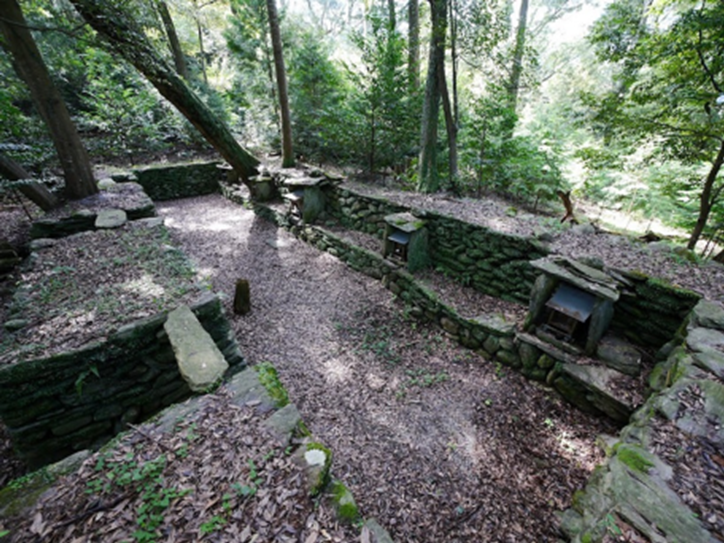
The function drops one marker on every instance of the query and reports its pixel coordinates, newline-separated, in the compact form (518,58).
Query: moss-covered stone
(317,461)
(343,502)
(269,378)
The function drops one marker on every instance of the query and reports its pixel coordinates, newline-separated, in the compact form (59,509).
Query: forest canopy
(620,102)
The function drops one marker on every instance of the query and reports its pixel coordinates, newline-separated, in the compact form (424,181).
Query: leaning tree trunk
(413,44)
(35,192)
(29,64)
(428,178)
(127,40)
(173,42)
(281,74)
(707,198)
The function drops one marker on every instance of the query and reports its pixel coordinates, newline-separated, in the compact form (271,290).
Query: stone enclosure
(138,366)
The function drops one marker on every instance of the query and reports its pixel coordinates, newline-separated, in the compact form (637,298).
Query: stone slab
(111,218)
(199,359)
(282,424)
(705,339)
(589,282)
(597,381)
(708,314)
(619,355)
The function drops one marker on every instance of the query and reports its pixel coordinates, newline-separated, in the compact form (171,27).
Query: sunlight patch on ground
(336,371)
(144,286)
(582,452)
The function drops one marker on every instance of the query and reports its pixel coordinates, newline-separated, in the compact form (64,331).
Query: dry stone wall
(166,182)
(641,482)
(75,400)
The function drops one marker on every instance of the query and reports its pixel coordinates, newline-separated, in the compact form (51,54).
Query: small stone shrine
(305,197)
(406,241)
(571,304)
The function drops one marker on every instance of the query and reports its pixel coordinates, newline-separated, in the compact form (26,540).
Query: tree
(413,44)
(281,75)
(428,176)
(29,64)
(126,39)
(179,59)
(35,192)
(670,84)
(381,97)
(518,50)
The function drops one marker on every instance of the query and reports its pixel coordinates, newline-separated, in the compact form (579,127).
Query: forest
(332,270)
(621,103)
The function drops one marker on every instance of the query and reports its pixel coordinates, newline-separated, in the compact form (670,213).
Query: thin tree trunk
(35,192)
(179,59)
(74,161)
(127,40)
(450,125)
(428,179)
(413,40)
(392,20)
(517,68)
(707,198)
(454,62)
(202,53)
(281,74)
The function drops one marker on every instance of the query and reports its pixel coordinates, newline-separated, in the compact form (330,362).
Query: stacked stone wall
(649,311)
(71,401)
(491,262)
(167,182)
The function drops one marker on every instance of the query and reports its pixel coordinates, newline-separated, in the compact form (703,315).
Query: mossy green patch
(633,459)
(320,473)
(269,379)
(344,502)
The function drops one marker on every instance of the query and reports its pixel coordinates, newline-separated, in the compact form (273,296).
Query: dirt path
(437,443)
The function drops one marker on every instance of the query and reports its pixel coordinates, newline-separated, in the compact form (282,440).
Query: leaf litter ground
(436,442)
(433,440)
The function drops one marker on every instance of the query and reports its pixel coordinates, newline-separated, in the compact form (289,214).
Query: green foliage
(385,110)
(144,478)
(318,101)
(523,166)
(665,97)
(269,378)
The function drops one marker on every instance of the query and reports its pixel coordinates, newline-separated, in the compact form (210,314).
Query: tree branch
(72,32)
(702,61)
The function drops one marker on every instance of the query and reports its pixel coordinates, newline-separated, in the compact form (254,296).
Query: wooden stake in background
(242,297)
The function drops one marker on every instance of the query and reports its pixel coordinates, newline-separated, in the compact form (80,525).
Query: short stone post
(242,297)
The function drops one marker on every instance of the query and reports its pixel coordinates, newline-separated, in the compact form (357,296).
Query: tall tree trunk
(77,169)
(518,51)
(392,15)
(454,61)
(707,198)
(202,53)
(413,44)
(450,125)
(179,59)
(127,40)
(428,179)
(35,192)
(281,74)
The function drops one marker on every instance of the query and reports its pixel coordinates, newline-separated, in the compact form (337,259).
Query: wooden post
(242,298)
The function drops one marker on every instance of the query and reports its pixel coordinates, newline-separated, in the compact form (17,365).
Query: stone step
(200,362)
(593,385)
